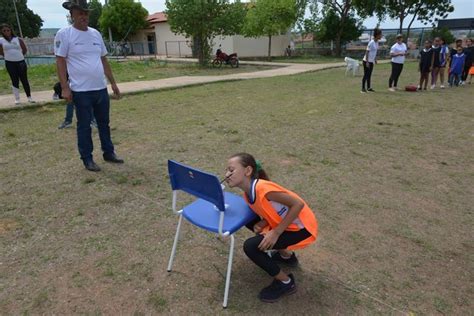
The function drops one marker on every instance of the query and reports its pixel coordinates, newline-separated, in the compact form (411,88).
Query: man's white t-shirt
(372,47)
(397,49)
(83,51)
(12,49)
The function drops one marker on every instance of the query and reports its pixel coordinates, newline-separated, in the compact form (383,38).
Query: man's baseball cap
(76,4)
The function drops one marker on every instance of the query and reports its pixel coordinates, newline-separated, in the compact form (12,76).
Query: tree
(309,25)
(123,17)
(444,33)
(203,20)
(350,26)
(425,11)
(95,14)
(269,18)
(31,23)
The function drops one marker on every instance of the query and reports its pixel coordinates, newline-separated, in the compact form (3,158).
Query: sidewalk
(43,97)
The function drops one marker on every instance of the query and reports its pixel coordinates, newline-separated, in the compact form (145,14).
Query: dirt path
(42,97)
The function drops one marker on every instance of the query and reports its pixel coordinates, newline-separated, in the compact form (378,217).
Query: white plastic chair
(352,65)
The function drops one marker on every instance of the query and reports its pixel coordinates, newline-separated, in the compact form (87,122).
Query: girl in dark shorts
(426,63)
(436,48)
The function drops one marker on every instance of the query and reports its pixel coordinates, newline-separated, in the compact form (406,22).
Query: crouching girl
(283,222)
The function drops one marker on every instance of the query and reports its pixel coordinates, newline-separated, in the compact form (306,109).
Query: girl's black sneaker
(277,289)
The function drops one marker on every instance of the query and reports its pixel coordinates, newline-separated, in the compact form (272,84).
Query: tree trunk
(338,44)
(411,22)
(269,48)
(400,29)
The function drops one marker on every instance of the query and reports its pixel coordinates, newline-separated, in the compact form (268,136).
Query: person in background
(454,50)
(370,58)
(69,109)
(398,53)
(444,61)
(436,61)
(288,51)
(426,62)
(80,49)
(468,51)
(457,67)
(13,50)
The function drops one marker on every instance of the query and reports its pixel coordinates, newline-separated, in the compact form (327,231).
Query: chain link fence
(356,49)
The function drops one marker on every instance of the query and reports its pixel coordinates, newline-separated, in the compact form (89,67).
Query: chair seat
(205,215)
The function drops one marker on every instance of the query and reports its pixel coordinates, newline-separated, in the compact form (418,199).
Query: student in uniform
(398,52)
(370,58)
(444,60)
(457,67)
(283,222)
(468,52)
(13,50)
(426,63)
(436,48)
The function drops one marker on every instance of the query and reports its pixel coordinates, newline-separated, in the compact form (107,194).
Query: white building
(162,41)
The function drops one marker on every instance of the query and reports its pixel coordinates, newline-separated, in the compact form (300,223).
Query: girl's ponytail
(248,160)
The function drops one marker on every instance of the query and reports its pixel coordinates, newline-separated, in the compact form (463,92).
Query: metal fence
(124,49)
(356,49)
(178,49)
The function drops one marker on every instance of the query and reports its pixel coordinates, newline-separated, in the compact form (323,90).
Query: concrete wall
(177,45)
(258,47)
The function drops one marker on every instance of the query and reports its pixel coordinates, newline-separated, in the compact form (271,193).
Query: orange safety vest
(266,210)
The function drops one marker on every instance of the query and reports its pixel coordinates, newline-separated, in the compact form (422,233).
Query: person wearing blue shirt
(457,67)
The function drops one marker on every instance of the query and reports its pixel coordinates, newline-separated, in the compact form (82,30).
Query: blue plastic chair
(214,210)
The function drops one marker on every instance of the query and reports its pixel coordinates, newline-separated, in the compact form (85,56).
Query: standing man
(81,53)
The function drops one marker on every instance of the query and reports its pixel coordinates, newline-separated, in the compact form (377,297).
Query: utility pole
(17,18)
(110,31)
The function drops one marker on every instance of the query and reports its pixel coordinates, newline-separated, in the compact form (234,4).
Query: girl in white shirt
(370,58)
(13,50)
(398,53)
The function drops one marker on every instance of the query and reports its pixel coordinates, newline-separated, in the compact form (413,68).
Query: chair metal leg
(175,243)
(229,270)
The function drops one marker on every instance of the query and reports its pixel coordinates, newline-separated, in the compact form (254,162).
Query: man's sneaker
(65,124)
(363,91)
(31,100)
(91,166)
(391,89)
(55,96)
(370,90)
(442,86)
(433,86)
(291,261)
(277,289)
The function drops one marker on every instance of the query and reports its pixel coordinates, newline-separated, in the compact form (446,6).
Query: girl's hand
(269,240)
(257,228)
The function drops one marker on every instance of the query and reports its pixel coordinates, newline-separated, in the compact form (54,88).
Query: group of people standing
(435,57)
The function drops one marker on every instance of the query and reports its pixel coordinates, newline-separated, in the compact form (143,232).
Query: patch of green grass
(156,300)
(41,300)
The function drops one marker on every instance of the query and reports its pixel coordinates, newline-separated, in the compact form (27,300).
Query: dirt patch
(7,225)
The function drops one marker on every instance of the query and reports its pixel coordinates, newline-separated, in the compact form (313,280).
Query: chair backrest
(196,182)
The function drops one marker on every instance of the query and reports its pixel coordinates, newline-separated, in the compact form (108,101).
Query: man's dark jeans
(90,104)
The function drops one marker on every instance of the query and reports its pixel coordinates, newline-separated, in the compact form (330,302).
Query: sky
(54,16)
